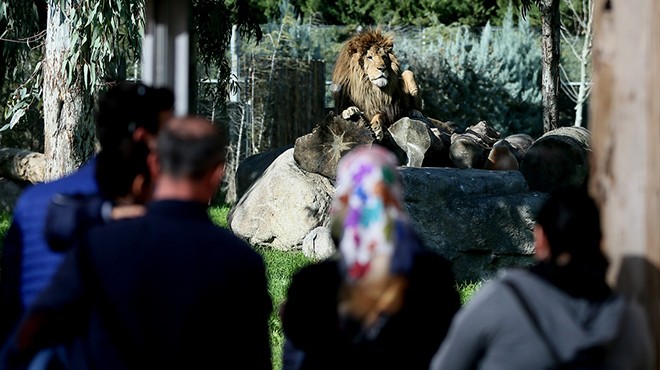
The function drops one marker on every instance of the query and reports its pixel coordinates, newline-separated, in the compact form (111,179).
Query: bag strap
(533,319)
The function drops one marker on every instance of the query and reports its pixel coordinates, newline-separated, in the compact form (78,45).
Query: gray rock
(470,149)
(557,159)
(251,168)
(318,244)
(480,220)
(414,138)
(282,206)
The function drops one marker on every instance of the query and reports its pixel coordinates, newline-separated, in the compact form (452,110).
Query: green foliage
(5,221)
(398,12)
(465,78)
(20,24)
(212,24)
(105,36)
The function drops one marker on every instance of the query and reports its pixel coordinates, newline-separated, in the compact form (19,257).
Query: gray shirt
(493,332)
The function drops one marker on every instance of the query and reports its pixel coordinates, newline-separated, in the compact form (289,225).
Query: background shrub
(493,75)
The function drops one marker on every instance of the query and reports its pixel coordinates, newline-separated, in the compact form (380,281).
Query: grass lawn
(280,267)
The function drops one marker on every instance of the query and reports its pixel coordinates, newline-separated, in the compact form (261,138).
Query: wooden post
(625,126)
(166,60)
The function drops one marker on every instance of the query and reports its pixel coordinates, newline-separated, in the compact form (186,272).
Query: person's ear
(141,189)
(541,245)
(154,166)
(141,135)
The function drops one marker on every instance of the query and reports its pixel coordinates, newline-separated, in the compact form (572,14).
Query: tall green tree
(393,12)
(89,42)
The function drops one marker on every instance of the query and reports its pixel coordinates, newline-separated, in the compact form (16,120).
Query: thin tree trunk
(3,70)
(550,29)
(68,127)
(583,91)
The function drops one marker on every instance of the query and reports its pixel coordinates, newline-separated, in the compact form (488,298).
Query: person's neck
(169,188)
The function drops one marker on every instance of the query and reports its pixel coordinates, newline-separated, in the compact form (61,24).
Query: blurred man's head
(191,153)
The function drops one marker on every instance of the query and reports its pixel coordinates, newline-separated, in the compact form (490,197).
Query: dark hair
(127,106)
(190,153)
(571,222)
(122,109)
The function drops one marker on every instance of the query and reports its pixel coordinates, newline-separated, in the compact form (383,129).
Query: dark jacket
(166,291)
(407,341)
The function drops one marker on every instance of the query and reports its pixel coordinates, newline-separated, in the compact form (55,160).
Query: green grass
(280,267)
(467,289)
(5,220)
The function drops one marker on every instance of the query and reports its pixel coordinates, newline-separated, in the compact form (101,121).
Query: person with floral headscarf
(383,301)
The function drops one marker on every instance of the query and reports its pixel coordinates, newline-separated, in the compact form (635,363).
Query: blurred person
(169,290)
(127,118)
(561,311)
(384,302)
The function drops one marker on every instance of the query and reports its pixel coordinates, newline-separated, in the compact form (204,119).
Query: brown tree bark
(68,127)
(550,30)
(625,120)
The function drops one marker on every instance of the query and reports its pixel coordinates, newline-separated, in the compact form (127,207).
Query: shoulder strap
(533,319)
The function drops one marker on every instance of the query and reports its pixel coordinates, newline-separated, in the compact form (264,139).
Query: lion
(367,81)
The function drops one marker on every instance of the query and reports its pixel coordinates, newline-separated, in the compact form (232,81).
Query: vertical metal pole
(166,58)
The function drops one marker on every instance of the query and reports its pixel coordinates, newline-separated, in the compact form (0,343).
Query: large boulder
(250,169)
(558,158)
(282,206)
(416,139)
(470,149)
(480,220)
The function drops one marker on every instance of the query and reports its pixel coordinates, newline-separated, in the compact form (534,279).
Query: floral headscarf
(369,205)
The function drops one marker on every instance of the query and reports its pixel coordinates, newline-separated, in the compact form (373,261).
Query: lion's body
(367,76)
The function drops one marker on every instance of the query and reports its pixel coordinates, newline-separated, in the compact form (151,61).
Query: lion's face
(376,65)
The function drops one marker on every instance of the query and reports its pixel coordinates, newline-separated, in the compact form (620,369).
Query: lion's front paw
(377,128)
(350,112)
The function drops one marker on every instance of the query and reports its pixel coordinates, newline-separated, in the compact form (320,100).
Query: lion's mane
(352,86)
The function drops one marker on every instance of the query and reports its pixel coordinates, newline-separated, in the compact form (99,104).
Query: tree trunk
(550,29)
(585,57)
(3,70)
(68,127)
(625,176)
